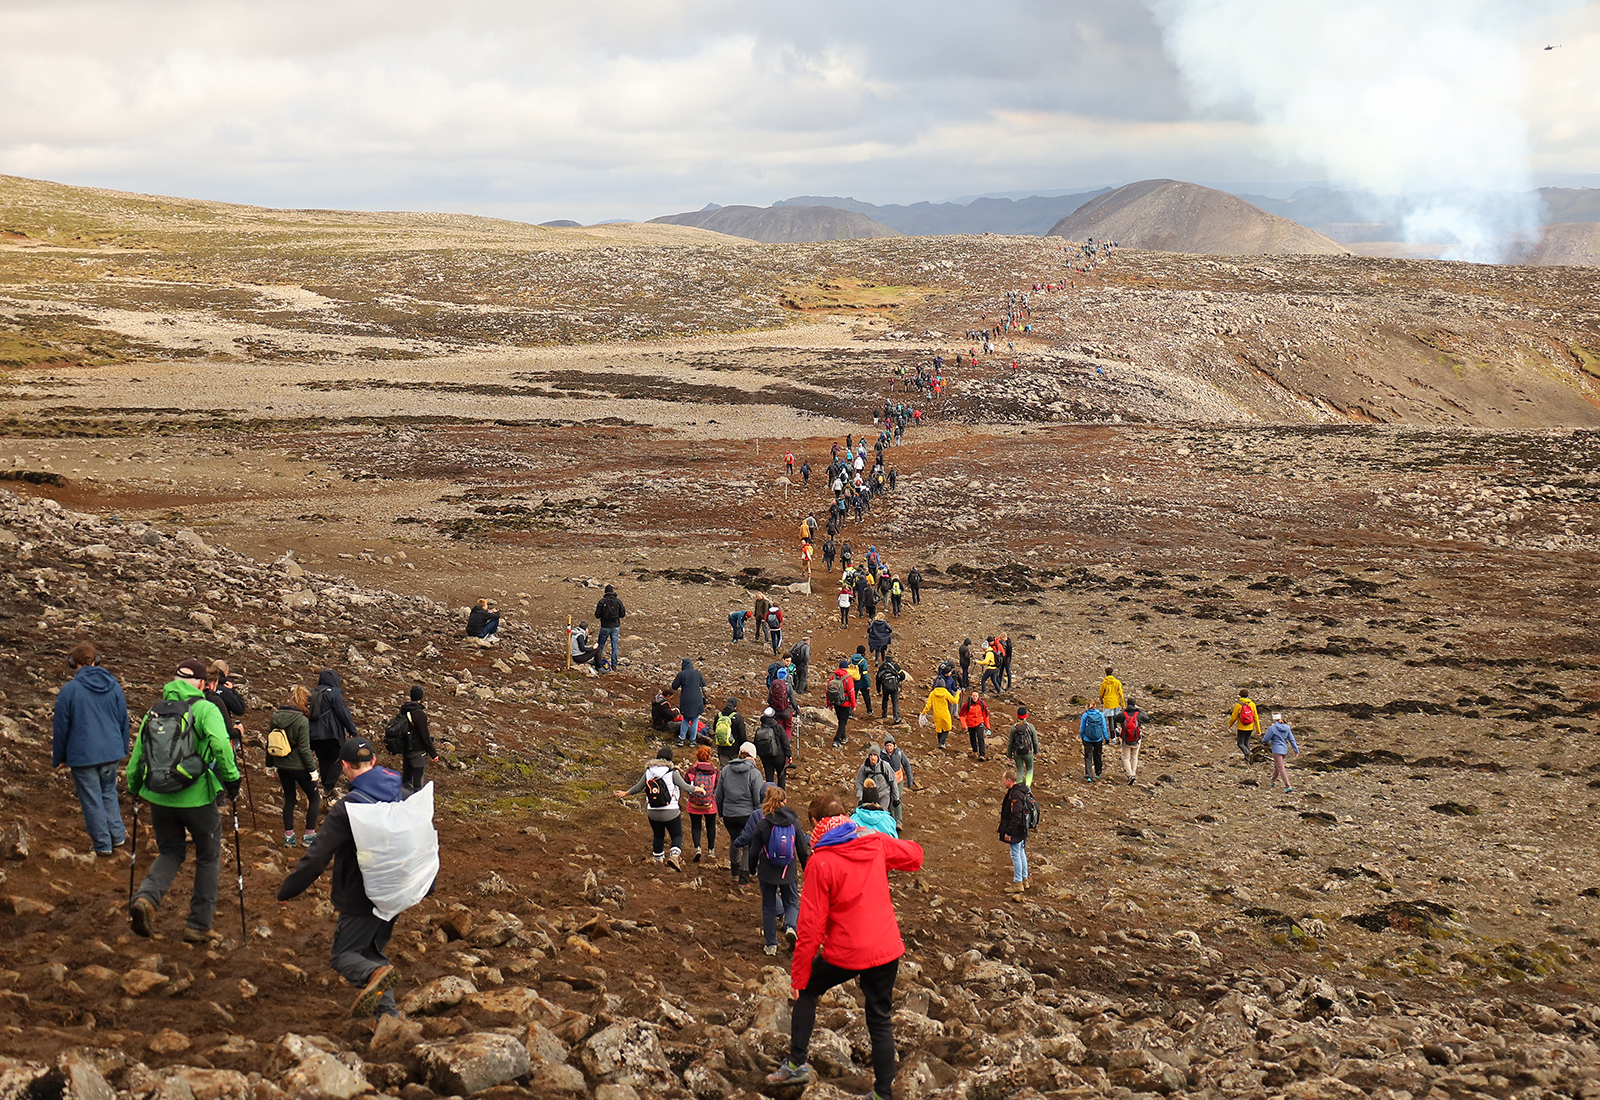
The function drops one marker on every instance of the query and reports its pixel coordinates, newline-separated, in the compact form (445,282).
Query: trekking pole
(238,859)
(133,845)
(250,798)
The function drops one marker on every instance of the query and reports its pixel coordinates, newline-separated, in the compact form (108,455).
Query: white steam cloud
(1419,103)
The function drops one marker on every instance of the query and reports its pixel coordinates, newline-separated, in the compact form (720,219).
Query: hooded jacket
(938,708)
(691,688)
(421,743)
(1279,738)
(332,722)
(1092,727)
(609,610)
(1112,697)
(882,774)
(877,819)
(975,713)
(879,634)
(660,712)
(900,764)
(211,739)
(779,738)
(1014,814)
(336,844)
(845,910)
(663,769)
(91,720)
(754,838)
(849,686)
(297,728)
(739,788)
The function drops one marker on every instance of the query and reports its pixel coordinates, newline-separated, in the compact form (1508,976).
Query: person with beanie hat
(1023,746)
(773,748)
(610,612)
(874,767)
(661,783)
(896,760)
(870,813)
(738,797)
(419,742)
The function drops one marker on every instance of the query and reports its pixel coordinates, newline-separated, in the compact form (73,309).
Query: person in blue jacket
(870,814)
(1279,739)
(1094,732)
(91,738)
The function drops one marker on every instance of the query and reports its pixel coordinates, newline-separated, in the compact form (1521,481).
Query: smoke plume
(1415,102)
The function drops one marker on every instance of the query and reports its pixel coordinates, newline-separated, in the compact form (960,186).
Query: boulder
(213,1084)
(628,1053)
(437,995)
(474,1062)
(168,1041)
(321,1076)
(560,1079)
(14,842)
(299,600)
(544,1047)
(189,540)
(84,1080)
(393,1036)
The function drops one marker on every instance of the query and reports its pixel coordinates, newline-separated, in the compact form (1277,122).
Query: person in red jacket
(845,911)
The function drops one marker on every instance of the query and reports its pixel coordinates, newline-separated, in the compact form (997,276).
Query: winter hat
(769,713)
(889,740)
(747,749)
(1022,712)
(733,704)
(664,753)
(609,588)
(416,693)
(844,661)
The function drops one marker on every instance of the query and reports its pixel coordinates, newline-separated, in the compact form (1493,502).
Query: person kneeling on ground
(847,930)
(361,935)
(579,647)
(482,622)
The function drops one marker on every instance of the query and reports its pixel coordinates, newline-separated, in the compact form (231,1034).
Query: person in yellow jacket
(1113,700)
(990,668)
(1246,719)
(940,706)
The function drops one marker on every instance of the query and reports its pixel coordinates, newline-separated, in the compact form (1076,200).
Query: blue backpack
(780,845)
(1093,726)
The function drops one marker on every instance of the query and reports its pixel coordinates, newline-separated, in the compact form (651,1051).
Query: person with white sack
(385,856)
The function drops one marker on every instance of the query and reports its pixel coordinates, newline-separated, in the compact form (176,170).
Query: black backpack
(397,734)
(1020,740)
(766,742)
(658,792)
(318,701)
(1030,806)
(171,760)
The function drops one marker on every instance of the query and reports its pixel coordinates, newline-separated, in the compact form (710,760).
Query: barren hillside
(783,224)
(1185,217)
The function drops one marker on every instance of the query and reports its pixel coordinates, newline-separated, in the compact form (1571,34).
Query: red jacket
(849,685)
(844,907)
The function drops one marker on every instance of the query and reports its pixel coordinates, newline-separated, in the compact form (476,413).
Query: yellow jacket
(938,705)
(1111,694)
(988,658)
(1234,719)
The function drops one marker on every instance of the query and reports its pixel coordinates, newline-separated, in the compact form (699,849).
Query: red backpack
(1247,715)
(702,784)
(1130,727)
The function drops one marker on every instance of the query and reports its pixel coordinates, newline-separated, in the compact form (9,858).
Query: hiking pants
(358,944)
(827,561)
(710,826)
(173,825)
(889,698)
(916,593)
(96,785)
(1279,769)
(775,772)
(327,754)
(776,637)
(1130,758)
(864,695)
(1244,744)
(1093,759)
(412,768)
(975,734)
(877,983)
(736,861)
(738,630)
(290,779)
(843,714)
(894,602)
(761,626)
(776,897)
(1024,763)
(989,674)
(844,615)
(965,682)
(659,831)
(802,673)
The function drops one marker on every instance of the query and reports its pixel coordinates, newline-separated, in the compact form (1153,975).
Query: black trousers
(877,983)
(843,714)
(358,944)
(174,826)
(412,770)
(291,778)
(327,752)
(889,697)
(736,863)
(659,831)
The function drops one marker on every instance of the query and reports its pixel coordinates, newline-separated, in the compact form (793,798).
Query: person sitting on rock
(578,645)
(482,622)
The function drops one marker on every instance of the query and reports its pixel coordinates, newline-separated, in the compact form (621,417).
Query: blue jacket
(881,820)
(1092,727)
(91,720)
(1279,738)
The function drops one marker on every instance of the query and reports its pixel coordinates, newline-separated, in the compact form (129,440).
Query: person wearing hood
(728,731)
(661,783)
(296,765)
(778,862)
(773,748)
(662,713)
(964,655)
(800,660)
(938,709)
(1279,739)
(419,742)
(870,813)
(361,935)
(738,796)
(879,635)
(91,738)
(889,679)
(896,760)
(189,812)
(691,688)
(330,725)
(847,930)
(876,768)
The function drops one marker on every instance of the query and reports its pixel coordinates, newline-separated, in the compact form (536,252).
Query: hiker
(691,688)
(762,607)
(867,597)
(482,622)
(738,795)
(775,627)
(896,593)
(842,698)
(1015,813)
(845,554)
(182,736)
(91,737)
(773,748)
(727,732)
(1004,657)
(870,813)
(225,697)
(914,582)
(990,668)
(875,768)
(1094,732)
(899,764)
(662,713)
(418,750)
(888,682)
(780,700)
(661,783)
(788,463)
(1279,739)
(938,710)
(844,605)
(289,753)
(736,619)
(361,934)
(829,549)
(578,646)
(847,930)
(330,725)
(609,612)
(800,658)
(879,635)
(1023,746)
(1112,699)
(780,850)
(964,656)
(805,471)
(861,673)
(975,717)
(701,802)
(1132,739)
(1246,719)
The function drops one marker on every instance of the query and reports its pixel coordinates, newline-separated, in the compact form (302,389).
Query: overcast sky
(633,108)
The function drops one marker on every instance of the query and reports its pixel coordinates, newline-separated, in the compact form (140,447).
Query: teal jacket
(880,820)
(211,736)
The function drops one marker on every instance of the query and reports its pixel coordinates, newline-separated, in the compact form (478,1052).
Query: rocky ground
(1415,919)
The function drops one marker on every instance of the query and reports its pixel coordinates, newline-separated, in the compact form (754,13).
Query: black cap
(356,750)
(192,669)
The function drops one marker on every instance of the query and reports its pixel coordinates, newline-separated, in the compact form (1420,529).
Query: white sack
(397,850)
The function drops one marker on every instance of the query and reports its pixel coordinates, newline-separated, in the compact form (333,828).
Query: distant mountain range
(1033,215)
(783,224)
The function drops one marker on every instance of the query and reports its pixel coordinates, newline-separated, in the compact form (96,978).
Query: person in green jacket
(297,766)
(191,810)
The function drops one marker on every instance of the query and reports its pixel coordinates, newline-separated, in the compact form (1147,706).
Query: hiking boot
(770,949)
(697,853)
(790,935)
(1014,888)
(382,980)
(289,840)
(788,1073)
(107,854)
(199,935)
(744,880)
(307,838)
(142,915)
(675,860)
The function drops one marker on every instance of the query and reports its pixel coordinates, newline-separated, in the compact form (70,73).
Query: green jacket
(296,726)
(211,733)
